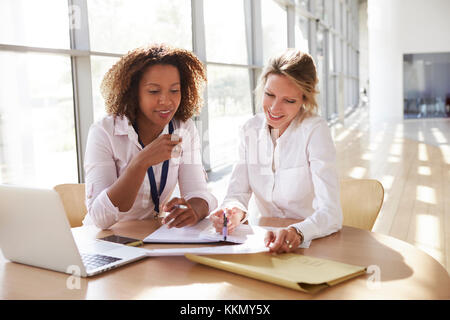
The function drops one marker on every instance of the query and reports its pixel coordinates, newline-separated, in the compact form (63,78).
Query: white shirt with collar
(112,143)
(295,177)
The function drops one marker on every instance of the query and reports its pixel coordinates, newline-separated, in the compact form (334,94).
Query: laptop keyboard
(92,261)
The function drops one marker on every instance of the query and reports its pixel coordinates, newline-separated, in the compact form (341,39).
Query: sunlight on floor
(423,154)
(393,159)
(424,171)
(427,236)
(399,131)
(445,150)
(438,135)
(420,136)
(387,181)
(428,230)
(357,172)
(396,149)
(342,135)
(366,156)
(373,146)
(426,194)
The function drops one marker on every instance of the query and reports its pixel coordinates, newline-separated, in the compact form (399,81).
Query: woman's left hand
(181,213)
(284,240)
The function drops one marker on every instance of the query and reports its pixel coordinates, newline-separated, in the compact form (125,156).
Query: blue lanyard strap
(151,176)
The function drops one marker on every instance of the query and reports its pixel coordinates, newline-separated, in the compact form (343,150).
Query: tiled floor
(411,159)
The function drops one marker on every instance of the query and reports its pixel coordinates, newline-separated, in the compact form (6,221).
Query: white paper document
(179,235)
(231,249)
(251,239)
(202,232)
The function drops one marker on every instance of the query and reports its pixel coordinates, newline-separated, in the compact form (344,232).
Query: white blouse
(112,143)
(295,177)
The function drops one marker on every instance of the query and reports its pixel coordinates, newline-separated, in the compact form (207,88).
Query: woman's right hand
(159,150)
(234,217)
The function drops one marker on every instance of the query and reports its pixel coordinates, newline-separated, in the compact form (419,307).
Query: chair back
(361,201)
(73,199)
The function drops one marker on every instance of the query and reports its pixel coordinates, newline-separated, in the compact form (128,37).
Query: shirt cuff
(205,195)
(236,204)
(102,211)
(309,231)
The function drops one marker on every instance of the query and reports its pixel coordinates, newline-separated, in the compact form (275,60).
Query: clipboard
(294,271)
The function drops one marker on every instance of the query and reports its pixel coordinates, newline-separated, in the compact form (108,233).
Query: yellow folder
(298,272)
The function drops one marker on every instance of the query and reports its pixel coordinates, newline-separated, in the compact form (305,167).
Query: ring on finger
(289,244)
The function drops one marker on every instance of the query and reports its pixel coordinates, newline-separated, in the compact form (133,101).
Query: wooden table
(405,272)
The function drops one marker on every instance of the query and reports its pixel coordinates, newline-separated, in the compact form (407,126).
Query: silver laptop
(34,230)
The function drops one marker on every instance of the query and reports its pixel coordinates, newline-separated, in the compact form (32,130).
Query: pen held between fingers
(225,227)
(175,211)
(179,206)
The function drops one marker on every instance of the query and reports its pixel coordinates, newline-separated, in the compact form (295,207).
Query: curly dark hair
(120,84)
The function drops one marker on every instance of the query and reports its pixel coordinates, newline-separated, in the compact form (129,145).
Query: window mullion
(81,79)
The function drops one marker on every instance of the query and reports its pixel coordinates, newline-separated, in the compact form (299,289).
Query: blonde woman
(287,159)
(148,143)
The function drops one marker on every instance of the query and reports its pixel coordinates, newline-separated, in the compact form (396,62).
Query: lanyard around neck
(151,176)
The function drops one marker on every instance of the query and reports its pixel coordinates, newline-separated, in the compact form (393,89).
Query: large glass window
(229,91)
(332,99)
(321,71)
(345,72)
(229,106)
(320,9)
(345,19)
(119,26)
(37,135)
(337,16)
(303,4)
(99,66)
(329,12)
(302,33)
(43,23)
(274,23)
(225,38)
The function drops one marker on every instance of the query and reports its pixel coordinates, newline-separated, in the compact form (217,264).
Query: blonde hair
(120,84)
(299,67)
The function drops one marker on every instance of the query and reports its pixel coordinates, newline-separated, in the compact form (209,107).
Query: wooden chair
(361,201)
(73,197)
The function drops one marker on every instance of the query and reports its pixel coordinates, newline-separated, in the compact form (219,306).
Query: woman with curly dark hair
(148,143)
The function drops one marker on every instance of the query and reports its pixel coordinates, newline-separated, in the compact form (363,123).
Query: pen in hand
(225,228)
(176,206)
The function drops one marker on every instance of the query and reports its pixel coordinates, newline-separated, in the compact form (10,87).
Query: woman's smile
(164,113)
(274,117)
